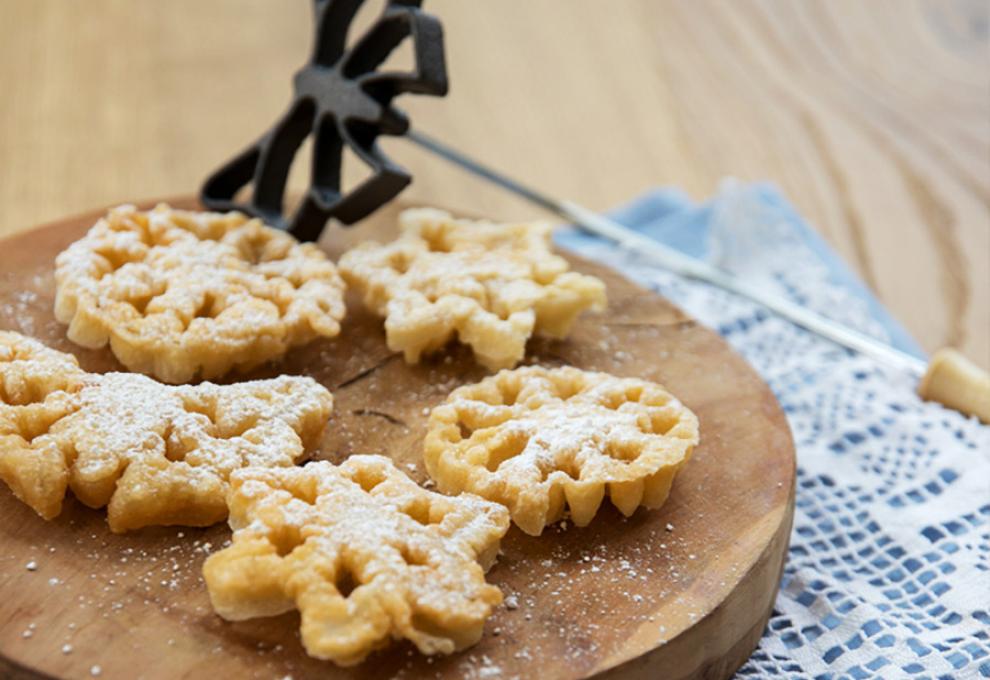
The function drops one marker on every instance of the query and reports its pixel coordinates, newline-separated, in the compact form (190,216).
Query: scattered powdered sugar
(487,669)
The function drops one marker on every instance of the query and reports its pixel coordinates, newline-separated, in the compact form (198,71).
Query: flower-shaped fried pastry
(181,295)
(364,553)
(535,439)
(151,453)
(491,285)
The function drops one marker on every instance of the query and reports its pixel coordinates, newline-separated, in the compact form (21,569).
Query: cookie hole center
(399,262)
(305,492)
(115,258)
(253,245)
(510,392)
(286,539)
(33,435)
(411,557)
(204,407)
(419,510)
(621,452)
(465,431)
(345,583)
(174,450)
(241,427)
(567,390)
(140,304)
(436,243)
(569,467)
(614,400)
(369,479)
(661,422)
(208,308)
(33,428)
(507,449)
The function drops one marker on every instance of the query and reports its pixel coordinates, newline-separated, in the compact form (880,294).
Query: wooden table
(873,117)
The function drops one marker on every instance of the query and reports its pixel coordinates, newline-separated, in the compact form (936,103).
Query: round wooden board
(680,592)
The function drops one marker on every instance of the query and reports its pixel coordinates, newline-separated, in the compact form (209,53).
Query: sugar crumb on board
(554,611)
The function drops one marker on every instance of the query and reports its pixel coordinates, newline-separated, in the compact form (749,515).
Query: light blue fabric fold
(671,217)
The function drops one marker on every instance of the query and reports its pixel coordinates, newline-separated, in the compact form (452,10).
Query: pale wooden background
(874,117)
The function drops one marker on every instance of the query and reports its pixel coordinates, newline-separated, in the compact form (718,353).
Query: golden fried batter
(181,295)
(535,439)
(364,553)
(151,453)
(492,286)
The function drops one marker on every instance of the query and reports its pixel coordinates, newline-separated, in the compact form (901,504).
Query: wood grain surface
(679,592)
(873,117)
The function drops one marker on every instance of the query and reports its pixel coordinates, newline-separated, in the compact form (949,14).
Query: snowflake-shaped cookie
(182,295)
(151,453)
(535,439)
(490,285)
(364,553)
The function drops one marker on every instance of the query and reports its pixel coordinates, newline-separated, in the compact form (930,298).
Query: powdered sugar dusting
(490,285)
(154,453)
(384,545)
(567,429)
(185,293)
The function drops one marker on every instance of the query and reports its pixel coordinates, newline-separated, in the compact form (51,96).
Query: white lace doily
(888,573)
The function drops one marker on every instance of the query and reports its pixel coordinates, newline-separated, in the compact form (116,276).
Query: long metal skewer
(680,263)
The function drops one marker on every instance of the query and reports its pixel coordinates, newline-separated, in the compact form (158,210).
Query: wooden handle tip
(956,382)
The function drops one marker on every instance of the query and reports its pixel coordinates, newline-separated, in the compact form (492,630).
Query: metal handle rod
(679,263)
